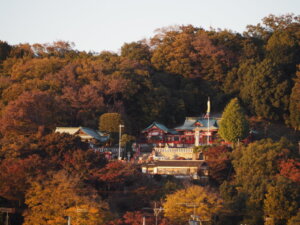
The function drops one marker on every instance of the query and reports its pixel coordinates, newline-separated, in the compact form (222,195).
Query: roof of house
(191,123)
(176,163)
(161,127)
(88,131)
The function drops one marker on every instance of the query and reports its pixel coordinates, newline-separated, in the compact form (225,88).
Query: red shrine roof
(161,127)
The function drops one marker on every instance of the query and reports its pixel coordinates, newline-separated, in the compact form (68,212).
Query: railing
(113,150)
(186,150)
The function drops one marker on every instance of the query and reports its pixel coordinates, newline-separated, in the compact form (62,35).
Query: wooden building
(194,169)
(194,131)
(86,134)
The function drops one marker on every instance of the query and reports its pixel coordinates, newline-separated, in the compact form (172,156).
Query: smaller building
(177,168)
(86,134)
(157,133)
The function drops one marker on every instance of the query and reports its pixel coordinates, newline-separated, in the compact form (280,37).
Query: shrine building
(195,131)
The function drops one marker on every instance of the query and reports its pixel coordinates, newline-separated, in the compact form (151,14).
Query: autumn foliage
(50,176)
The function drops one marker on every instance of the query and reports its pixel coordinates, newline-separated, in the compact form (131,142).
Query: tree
(117,174)
(136,51)
(294,219)
(233,125)
(270,24)
(15,176)
(4,50)
(179,206)
(290,169)
(256,166)
(110,122)
(84,103)
(267,89)
(51,200)
(126,138)
(132,218)
(282,200)
(30,112)
(295,103)
(83,163)
(219,163)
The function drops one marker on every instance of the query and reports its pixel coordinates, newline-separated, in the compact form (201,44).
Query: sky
(105,25)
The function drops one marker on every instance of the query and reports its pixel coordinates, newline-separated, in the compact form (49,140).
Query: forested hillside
(164,78)
(50,177)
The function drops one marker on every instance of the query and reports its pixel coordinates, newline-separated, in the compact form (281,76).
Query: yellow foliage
(52,201)
(181,205)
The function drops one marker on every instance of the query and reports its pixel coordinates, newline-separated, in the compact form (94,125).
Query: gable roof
(90,133)
(161,127)
(189,123)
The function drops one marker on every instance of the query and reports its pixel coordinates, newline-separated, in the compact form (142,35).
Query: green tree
(256,164)
(136,51)
(269,90)
(294,219)
(110,122)
(282,200)
(256,167)
(233,125)
(207,203)
(4,50)
(295,103)
(126,138)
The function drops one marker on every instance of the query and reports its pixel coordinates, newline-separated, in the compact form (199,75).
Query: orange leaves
(291,170)
(28,112)
(16,174)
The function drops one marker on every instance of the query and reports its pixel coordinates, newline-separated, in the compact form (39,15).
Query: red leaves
(133,218)
(291,170)
(117,173)
(218,163)
(28,112)
(16,174)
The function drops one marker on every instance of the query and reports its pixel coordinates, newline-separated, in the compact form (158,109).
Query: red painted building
(195,131)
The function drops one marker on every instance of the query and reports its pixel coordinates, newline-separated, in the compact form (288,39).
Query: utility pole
(156,212)
(120,130)
(7,211)
(144,220)
(69,220)
(195,218)
(6,218)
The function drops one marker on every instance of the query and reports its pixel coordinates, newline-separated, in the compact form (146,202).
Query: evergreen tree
(281,200)
(295,103)
(233,126)
(110,122)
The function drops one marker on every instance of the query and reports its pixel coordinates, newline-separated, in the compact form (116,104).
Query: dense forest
(163,79)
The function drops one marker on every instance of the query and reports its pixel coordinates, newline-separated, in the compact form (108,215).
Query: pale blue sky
(99,25)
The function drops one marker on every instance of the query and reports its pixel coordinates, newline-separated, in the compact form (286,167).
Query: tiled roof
(189,123)
(68,130)
(90,132)
(95,134)
(161,127)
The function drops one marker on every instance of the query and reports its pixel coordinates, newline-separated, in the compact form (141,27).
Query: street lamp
(120,130)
